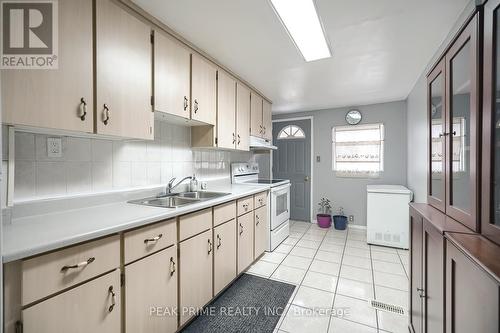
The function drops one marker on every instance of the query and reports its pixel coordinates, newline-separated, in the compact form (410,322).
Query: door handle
(306,178)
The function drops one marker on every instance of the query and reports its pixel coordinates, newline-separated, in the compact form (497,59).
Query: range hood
(261,144)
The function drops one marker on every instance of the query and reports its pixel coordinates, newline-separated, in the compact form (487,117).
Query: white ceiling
(380,47)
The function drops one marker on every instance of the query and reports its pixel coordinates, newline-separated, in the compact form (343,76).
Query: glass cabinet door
(436,110)
(461,125)
(490,210)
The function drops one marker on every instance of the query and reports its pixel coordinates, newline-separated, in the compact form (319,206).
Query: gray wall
(350,193)
(417,120)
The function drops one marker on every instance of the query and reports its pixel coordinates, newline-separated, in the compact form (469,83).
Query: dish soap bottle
(193,185)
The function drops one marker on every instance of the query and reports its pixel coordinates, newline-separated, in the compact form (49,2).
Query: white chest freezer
(387,216)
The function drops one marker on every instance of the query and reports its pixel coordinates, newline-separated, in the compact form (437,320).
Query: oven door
(280,205)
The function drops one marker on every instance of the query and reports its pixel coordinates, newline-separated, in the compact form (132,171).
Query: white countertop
(31,235)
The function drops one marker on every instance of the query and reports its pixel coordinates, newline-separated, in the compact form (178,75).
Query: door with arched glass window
(292,160)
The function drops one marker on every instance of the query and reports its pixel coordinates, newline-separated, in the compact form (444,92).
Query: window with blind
(358,151)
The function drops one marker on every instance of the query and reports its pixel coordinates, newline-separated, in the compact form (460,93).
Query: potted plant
(340,220)
(323,217)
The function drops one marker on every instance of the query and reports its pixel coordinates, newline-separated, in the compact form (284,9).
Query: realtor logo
(29,34)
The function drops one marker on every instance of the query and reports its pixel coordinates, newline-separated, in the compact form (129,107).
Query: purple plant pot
(324,220)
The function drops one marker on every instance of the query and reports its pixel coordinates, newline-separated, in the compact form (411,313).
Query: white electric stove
(279,199)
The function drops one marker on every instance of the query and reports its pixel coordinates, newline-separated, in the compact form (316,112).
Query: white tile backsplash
(89,165)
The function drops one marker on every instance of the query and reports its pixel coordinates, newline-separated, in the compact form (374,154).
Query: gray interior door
(292,160)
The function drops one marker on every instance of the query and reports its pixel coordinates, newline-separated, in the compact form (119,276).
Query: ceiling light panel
(302,23)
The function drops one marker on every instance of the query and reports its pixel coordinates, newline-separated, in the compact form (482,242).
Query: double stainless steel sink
(175,200)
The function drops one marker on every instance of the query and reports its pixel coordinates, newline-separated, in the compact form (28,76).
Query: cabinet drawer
(194,223)
(245,205)
(224,213)
(85,308)
(52,272)
(260,199)
(141,242)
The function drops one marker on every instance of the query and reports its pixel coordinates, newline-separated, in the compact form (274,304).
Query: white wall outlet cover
(54,147)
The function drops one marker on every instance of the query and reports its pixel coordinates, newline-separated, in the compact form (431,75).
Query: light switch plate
(54,147)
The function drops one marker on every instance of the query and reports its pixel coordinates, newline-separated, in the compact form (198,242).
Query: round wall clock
(353,117)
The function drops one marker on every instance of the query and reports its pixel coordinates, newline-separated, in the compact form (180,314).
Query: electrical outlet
(54,147)
(351,218)
(203,185)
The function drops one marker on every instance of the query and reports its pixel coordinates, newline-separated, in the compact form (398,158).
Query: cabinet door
(224,255)
(261,231)
(462,127)
(490,200)
(123,73)
(472,296)
(242,116)
(437,119)
(152,283)
(267,124)
(256,115)
(56,98)
(86,308)
(226,111)
(195,267)
(245,240)
(172,76)
(433,279)
(416,230)
(203,90)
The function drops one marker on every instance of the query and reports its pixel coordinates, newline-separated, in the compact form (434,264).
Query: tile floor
(337,273)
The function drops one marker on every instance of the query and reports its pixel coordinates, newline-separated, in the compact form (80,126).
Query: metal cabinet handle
(80,264)
(209,246)
(105,115)
(172,266)
(83,109)
(257,218)
(219,241)
(245,206)
(239,139)
(113,298)
(264,130)
(443,134)
(261,201)
(185,103)
(195,106)
(241,229)
(234,138)
(154,239)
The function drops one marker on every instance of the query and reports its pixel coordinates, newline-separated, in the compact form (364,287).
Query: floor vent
(387,307)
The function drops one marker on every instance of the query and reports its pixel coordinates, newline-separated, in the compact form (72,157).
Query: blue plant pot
(340,222)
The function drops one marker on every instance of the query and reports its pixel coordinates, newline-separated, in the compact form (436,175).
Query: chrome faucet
(171,185)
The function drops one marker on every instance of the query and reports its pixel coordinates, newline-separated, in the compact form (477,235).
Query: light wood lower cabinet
(261,231)
(56,98)
(86,308)
(151,293)
(245,240)
(224,255)
(195,269)
(123,73)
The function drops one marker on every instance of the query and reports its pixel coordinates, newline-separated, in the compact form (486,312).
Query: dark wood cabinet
(490,174)
(472,285)
(416,305)
(453,106)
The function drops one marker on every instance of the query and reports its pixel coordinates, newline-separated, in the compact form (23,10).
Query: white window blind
(358,151)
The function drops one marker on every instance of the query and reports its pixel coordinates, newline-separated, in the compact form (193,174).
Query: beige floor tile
(338,325)
(358,310)
(262,268)
(385,256)
(392,322)
(313,299)
(325,267)
(383,249)
(331,247)
(297,262)
(288,274)
(303,252)
(388,267)
(284,248)
(290,241)
(302,320)
(354,251)
(392,296)
(320,281)
(359,262)
(274,257)
(355,273)
(308,244)
(391,280)
(357,244)
(355,289)
(329,256)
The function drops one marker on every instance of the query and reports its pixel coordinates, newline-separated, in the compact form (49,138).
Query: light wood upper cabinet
(123,73)
(172,76)
(261,231)
(226,111)
(242,116)
(195,267)
(203,90)
(56,98)
(245,240)
(86,308)
(256,115)
(267,123)
(152,282)
(224,255)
